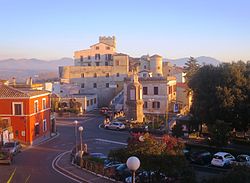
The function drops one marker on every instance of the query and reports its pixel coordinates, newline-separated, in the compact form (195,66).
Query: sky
(52,29)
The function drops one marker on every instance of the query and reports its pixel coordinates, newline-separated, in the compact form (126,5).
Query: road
(34,164)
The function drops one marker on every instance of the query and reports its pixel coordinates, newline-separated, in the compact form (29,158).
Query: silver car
(115,126)
(13,147)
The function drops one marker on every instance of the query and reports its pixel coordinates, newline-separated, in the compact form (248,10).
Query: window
(89,64)
(87,102)
(117,74)
(36,106)
(106,63)
(94,85)
(107,48)
(144,75)
(97,56)
(91,102)
(37,129)
(145,67)
(116,62)
(97,63)
(94,100)
(107,85)
(145,105)
(132,94)
(95,75)
(156,105)
(109,57)
(170,90)
(89,57)
(17,108)
(82,75)
(145,90)
(155,90)
(97,47)
(158,68)
(44,103)
(82,85)
(81,58)
(107,75)
(44,125)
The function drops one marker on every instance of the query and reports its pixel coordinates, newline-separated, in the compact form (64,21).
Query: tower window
(155,90)
(145,90)
(145,105)
(107,85)
(94,85)
(82,85)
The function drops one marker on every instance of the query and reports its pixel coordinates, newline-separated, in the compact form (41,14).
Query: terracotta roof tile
(10,92)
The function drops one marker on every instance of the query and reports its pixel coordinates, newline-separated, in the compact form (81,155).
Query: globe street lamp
(76,122)
(133,163)
(81,152)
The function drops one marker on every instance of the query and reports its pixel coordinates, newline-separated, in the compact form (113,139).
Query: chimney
(30,81)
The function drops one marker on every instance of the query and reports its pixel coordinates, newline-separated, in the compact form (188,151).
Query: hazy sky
(51,29)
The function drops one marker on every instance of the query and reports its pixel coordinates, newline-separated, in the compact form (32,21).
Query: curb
(99,175)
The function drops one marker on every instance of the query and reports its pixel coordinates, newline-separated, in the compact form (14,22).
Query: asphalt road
(34,164)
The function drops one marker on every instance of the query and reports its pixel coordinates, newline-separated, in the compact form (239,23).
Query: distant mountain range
(202,60)
(42,70)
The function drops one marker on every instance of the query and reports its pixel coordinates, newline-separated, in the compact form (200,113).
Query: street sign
(176,107)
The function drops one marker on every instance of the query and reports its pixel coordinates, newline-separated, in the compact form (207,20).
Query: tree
(161,156)
(190,68)
(177,130)
(219,133)
(222,93)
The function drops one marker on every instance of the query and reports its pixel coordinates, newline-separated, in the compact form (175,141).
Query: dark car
(201,157)
(6,157)
(122,172)
(241,160)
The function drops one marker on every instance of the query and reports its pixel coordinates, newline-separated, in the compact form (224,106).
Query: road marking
(55,163)
(112,142)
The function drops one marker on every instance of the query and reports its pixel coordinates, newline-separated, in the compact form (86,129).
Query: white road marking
(111,141)
(55,162)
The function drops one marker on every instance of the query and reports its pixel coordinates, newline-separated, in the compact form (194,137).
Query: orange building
(24,114)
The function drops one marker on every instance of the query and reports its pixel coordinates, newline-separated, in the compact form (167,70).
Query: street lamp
(133,163)
(76,122)
(81,153)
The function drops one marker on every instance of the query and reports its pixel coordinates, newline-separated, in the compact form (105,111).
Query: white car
(222,159)
(115,126)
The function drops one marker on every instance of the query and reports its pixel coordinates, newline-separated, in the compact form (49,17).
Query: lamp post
(81,152)
(133,163)
(76,122)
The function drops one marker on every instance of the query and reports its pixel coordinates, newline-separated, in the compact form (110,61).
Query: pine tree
(190,68)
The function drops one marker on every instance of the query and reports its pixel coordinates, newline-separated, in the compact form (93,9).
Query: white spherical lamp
(76,122)
(80,128)
(133,163)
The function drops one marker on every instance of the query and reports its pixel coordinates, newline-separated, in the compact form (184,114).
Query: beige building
(98,70)
(158,94)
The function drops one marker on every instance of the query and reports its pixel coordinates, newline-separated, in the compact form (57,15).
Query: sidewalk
(76,172)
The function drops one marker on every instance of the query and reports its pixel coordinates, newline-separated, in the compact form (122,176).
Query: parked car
(103,110)
(6,157)
(115,126)
(222,159)
(122,172)
(242,160)
(201,157)
(13,147)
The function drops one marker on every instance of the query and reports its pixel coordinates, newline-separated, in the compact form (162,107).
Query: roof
(10,92)
(182,85)
(221,153)
(155,56)
(120,54)
(102,43)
